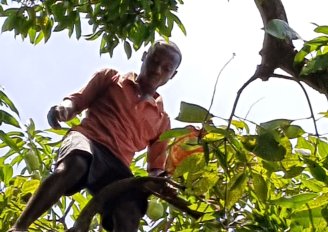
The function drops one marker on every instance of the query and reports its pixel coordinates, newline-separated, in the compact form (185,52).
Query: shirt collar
(132,77)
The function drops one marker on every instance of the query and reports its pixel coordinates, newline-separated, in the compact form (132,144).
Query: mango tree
(273,178)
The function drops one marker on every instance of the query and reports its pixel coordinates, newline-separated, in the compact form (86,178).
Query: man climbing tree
(124,115)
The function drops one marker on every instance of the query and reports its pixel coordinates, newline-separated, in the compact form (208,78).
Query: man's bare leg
(66,175)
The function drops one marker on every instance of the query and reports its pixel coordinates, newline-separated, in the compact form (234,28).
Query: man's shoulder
(108,72)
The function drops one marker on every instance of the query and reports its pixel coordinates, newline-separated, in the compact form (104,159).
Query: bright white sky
(37,77)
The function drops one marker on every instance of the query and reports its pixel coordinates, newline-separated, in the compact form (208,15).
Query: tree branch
(150,185)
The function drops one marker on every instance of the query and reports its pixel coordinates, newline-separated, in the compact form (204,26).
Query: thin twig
(216,83)
(310,107)
(250,108)
(253,78)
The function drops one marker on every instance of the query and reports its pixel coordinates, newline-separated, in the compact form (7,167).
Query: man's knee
(72,172)
(77,162)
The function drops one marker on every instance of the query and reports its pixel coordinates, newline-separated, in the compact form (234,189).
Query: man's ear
(144,56)
(175,72)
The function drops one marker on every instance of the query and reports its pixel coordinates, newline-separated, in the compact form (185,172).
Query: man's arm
(77,102)
(156,158)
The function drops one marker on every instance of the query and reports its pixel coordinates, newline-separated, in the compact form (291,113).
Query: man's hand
(156,172)
(60,113)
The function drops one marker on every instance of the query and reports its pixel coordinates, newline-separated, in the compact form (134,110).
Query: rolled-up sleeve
(99,83)
(157,150)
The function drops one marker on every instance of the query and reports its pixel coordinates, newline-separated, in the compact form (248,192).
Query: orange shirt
(120,119)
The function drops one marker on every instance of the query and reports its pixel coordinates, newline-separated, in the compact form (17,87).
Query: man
(124,115)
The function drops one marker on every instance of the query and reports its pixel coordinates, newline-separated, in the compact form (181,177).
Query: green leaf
(273,125)
(294,201)
(174,133)
(280,29)
(260,187)
(10,142)
(307,49)
(9,23)
(293,171)
(307,218)
(316,170)
(324,213)
(321,200)
(8,119)
(322,29)
(30,126)
(236,189)
(94,36)
(178,22)
(193,113)
(39,37)
(294,131)
(77,25)
(58,11)
(316,65)
(4,99)
(318,42)
(47,28)
(7,172)
(80,199)
(312,184)
(127,49)
(32,34)
(268,148)
(240,125)
(30,186)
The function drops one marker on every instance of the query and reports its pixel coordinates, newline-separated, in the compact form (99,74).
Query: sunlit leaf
(322,29)
(307,218)
(236,188)
(7,140)
(312,184)
(240,125)
(193,113)
(294,131)
(321,200)
(260,187)
(174,133)
(30,186)
(317,64)
(7,172)
(294,201)
(4,99)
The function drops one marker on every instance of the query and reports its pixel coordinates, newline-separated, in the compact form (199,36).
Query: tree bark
(277,53)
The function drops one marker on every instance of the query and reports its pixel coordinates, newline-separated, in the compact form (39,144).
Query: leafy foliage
(132,22)
(315,50)
(270,180)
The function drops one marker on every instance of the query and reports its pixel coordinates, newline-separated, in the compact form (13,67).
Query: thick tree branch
(150,185)
(277,53)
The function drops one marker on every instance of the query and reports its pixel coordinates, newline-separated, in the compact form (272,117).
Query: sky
(38,77)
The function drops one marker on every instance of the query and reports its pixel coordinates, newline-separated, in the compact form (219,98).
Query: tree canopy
(272,179)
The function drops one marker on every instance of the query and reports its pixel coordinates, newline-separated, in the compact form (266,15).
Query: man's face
(159,66)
